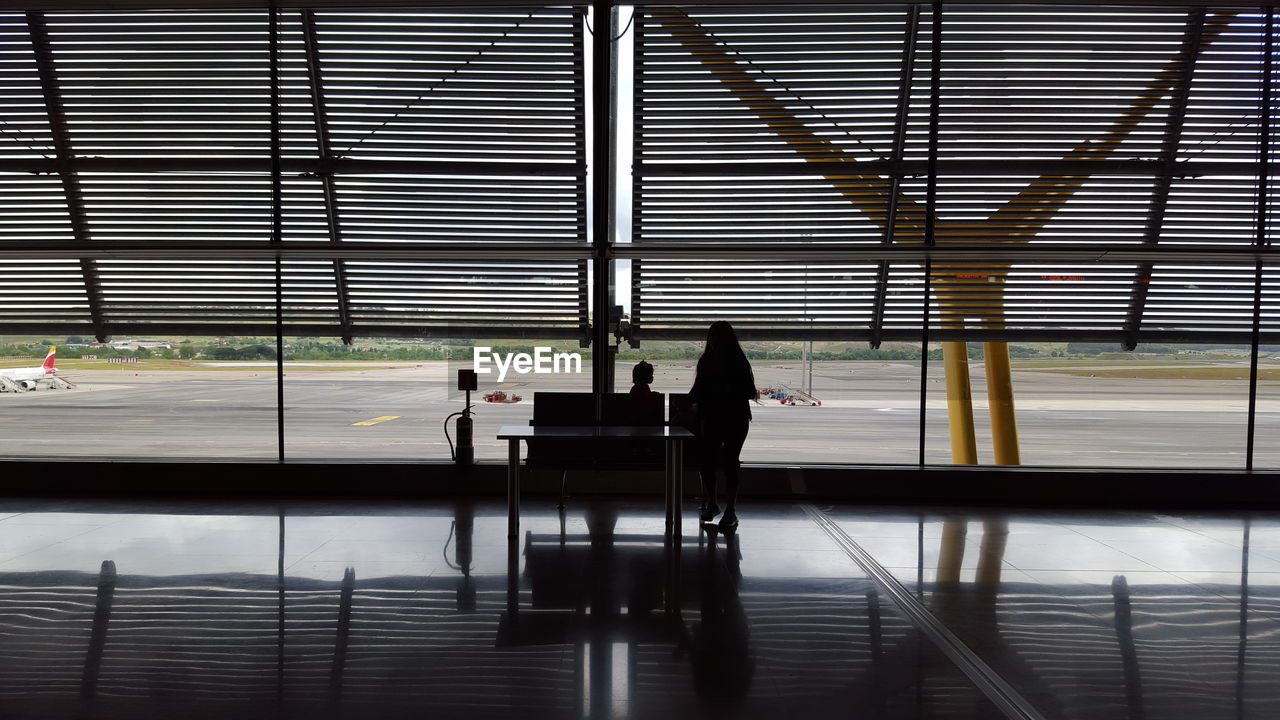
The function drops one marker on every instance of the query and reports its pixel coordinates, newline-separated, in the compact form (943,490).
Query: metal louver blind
(1061,129)
(431,158)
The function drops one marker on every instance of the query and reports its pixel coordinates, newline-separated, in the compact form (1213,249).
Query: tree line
(231,350)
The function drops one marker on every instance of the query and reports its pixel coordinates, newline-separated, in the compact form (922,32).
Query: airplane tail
(49,360)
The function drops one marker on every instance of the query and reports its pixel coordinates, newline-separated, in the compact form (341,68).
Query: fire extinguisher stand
(465,454)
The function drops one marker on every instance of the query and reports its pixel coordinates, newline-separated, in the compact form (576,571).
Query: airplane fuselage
(28,373)
(28,378)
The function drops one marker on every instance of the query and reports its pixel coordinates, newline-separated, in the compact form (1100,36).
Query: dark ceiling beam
(265,328)
(312,45)
(70,180)
(973,254)
(939,334)
(888,168)
(919,168)
(347,4)
(1164,181)
(289,166)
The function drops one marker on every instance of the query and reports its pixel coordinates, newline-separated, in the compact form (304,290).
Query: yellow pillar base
(1004,422)
(964,445)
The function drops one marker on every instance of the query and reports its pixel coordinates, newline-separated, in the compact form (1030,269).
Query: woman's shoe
(729,521)
(709,512)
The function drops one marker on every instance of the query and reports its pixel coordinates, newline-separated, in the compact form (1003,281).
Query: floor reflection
(596,613)
(1104,615)
(321,612)
(719,644)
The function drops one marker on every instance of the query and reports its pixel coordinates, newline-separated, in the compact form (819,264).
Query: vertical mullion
(636,306)
(1168,156)
(1260,239)
(580,153)
(637,186)
(318,107)
(931,203)
(277,215)
(601,172)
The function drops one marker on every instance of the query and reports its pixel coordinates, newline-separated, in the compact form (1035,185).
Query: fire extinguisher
(465,453)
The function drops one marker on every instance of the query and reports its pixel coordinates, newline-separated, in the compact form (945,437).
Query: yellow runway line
(207,400)
(376,420)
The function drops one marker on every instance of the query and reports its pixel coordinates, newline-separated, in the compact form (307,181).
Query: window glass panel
(821,402)
(158,396)
(1081,404)
(388,398)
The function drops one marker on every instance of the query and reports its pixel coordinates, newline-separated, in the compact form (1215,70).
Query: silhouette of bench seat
(571,409)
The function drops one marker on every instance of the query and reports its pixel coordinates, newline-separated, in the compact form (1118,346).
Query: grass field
(156,364)
(1164,373)
(1095,362)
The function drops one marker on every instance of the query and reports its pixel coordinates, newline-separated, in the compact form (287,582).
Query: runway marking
(208,399)
(376,420)
(8,419)
(142,420)
(509,385)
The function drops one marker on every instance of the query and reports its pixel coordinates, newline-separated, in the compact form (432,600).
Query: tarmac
(869,415)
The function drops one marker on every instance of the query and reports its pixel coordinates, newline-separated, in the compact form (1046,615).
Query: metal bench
(567,409)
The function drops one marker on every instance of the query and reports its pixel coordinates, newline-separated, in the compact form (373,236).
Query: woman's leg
(730,450)
(708,449)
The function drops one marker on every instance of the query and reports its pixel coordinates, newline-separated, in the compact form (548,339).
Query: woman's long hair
(723,356)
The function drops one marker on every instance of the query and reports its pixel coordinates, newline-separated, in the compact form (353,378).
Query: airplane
(30,378)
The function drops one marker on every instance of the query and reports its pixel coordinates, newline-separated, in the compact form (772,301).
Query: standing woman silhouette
(722,391)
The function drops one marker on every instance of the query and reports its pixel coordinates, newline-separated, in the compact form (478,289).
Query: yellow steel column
(964,451)
(955,362)
(1004,423)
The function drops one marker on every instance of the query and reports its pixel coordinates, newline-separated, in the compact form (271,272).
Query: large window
(877,196)
(173,398)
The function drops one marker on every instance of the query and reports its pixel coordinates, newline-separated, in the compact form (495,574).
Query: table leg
(667,478)
(513,582)
(513,487)
(672,596)
(677,486)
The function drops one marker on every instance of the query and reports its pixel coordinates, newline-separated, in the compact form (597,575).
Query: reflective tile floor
(807,611)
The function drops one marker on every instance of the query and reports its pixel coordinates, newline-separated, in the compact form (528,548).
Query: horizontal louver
(1049,82)
(1032,302)
(146,136)
(681,297)
(809,126)
(174,84)
(180,207)
(42,293)
(499,86)
(762,209)
(748,85)
(33,209)
(1215,210)
(24,122)
(1222,117)
(1002,209)
(468,297)
(453,209)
